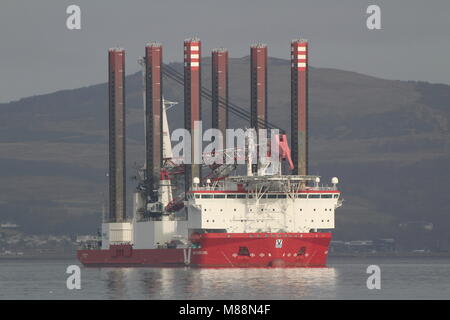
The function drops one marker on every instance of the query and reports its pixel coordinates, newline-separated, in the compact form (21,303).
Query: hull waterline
(245,250)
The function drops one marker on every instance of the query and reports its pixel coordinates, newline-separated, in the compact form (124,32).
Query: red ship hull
(231,250)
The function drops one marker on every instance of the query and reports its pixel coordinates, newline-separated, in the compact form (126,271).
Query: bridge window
(197,196)
(301,196)
(231,196)
(314,196)
(281,196)
(240,196)
(206,196)
(326,196)
(336,196)
(219,196)
(272,196)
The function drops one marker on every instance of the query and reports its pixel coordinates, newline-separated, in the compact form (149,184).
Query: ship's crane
(219,171)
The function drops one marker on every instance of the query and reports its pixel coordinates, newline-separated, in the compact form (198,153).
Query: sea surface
(344,278)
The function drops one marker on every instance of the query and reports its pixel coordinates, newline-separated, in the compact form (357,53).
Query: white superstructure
(263,204)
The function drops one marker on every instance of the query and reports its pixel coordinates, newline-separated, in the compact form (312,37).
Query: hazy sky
(40,55)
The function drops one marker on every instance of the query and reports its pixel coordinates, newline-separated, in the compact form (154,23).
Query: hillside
(388,142)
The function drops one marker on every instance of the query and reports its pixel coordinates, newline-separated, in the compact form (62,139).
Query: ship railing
(87,238)
(323,188)
(90,243)
(211,187)
(128,220)
(272,189)
(172,218)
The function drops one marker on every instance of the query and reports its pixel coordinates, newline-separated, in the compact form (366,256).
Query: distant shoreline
(391,255)
(331,255)
(40,257)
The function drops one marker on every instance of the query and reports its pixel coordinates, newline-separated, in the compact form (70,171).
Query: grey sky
(39,55)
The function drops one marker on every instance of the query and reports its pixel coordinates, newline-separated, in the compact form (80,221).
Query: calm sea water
(345,278)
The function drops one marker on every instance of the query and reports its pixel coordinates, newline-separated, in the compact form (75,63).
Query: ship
(257,213)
